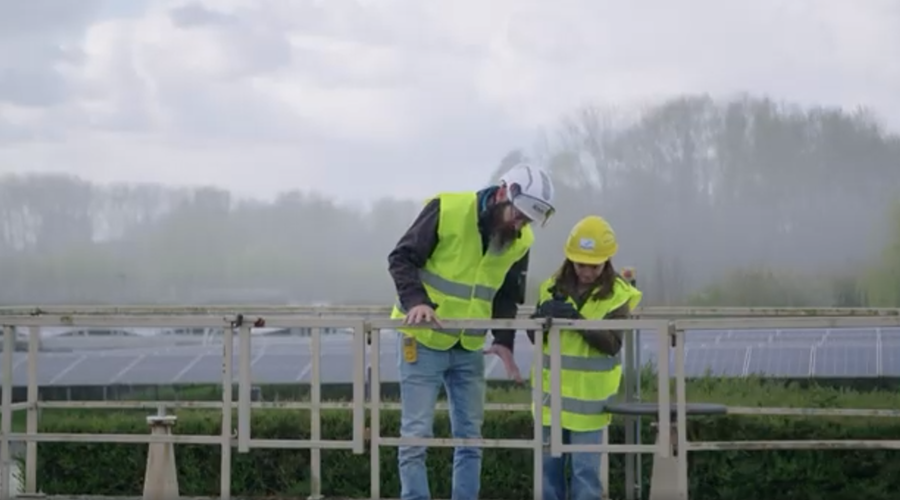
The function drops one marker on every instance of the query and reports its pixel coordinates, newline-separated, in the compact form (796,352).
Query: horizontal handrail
(289,321)
(346,405)
(663,312)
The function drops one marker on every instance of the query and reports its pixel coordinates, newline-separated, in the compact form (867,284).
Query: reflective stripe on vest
(582,364)
(454,289)
(460,276)
(580,406)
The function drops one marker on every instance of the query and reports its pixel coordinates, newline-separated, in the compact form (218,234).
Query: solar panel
(275,368)
(750,335)
(155,369)
(890,360)
(780,361)
(46,370)
(852,335)
(847,361)
(96,372)
(726,361)
(336,368)
(205,369)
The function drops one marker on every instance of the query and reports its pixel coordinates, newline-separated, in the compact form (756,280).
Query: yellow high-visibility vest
(461,278)
(589,379)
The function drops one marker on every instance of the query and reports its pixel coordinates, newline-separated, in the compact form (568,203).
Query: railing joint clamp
(238,322)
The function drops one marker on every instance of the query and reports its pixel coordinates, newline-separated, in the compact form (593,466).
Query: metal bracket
(238,322)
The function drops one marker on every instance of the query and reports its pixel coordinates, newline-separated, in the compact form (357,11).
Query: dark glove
(557,309)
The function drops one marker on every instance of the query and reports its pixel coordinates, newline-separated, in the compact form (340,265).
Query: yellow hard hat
(592,241)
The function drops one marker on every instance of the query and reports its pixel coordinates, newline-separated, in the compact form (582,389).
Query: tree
(728,184)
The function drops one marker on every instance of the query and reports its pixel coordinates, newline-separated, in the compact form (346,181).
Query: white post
(315,416)
(34,340)
(9,347)
(227,426)
(604,465)
(244,381)
(556,440)
(161,476)
(537,402)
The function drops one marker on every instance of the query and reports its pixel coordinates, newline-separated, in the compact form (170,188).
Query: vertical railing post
(375,415)
(368,361)
(628,378)
(34,341)
(9,347)
(556,440)
(637,486)
(633,460)
(664,443)
(537,406)
(681,412)
(604,465)
(360,333)
(244,385)
(227,397)
(315,416)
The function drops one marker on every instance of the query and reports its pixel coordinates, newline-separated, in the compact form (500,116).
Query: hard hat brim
(586,259)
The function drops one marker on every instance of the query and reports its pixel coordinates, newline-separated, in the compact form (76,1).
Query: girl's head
(588,265)
(574,279)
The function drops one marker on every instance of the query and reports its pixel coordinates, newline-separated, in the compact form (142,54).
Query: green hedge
(117,469)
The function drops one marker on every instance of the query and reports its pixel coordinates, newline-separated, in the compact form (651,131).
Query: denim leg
(554,470)
(465,386)
(420,383)
(585,481)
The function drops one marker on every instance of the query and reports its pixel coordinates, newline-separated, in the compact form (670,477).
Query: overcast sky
(393,97)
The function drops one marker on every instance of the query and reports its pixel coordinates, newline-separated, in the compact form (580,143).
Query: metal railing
(366,324)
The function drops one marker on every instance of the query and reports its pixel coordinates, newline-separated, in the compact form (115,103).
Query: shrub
(117,469)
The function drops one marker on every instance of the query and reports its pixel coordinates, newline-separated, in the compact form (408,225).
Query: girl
(586,286)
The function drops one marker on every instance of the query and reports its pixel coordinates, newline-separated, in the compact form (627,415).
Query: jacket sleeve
(411,253)
(608,342)
(508,299)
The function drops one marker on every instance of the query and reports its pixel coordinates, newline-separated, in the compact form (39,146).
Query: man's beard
(502,235)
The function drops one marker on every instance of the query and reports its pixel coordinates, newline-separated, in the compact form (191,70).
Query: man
(464,257)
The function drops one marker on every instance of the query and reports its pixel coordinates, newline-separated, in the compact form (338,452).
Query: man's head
(525,196)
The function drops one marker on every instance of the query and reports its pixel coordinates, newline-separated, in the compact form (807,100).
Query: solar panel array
(840,353)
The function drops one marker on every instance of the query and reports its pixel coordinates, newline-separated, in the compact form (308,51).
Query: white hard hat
(530,190)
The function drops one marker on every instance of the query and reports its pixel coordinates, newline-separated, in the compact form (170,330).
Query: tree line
(745,201)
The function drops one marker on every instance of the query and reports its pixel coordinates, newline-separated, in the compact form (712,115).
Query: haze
(747,153)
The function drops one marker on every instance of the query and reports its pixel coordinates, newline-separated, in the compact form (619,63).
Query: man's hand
(422,313)
(509,362)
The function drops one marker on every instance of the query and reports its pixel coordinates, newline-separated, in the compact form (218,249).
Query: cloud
(393,97)
(37,40)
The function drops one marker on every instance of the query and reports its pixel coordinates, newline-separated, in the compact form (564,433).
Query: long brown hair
(566,281)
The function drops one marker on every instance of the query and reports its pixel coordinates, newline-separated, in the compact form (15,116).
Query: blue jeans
(585,481)
(462,374)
